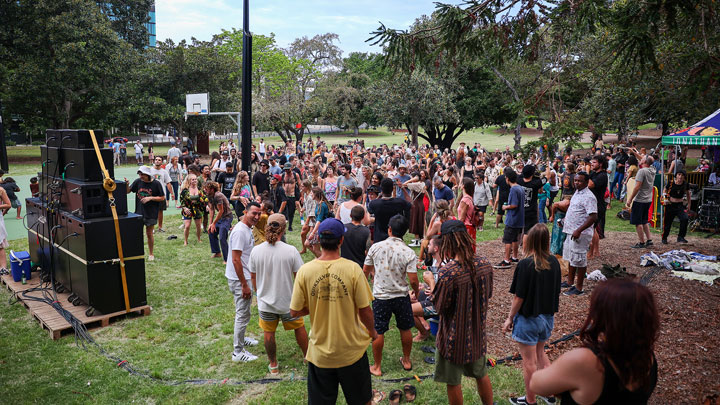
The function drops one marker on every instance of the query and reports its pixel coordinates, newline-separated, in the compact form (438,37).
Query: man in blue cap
(336,295)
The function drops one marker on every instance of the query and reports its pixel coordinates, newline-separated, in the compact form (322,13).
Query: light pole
(246,111)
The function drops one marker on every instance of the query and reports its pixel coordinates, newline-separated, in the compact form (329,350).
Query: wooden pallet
(51,320)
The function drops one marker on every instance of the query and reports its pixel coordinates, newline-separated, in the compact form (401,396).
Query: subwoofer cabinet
(76,164)
(85,199)
(93,262)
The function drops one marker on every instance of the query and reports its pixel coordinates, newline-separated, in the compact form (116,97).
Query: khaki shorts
(451,373)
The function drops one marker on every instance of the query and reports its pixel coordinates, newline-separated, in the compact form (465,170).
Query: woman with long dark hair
(536,297)
(616,364)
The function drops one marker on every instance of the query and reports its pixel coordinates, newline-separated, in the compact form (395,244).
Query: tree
(128,19)
(59,70)
(289,110)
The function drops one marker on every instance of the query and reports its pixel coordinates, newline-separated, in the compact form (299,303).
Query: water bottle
(302,220)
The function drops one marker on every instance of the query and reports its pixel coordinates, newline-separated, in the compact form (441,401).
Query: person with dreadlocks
(461,295)
(273,265)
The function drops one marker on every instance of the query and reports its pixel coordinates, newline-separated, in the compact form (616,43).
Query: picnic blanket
(687,265)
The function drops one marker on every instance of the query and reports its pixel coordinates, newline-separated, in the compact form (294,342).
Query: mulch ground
(688,348)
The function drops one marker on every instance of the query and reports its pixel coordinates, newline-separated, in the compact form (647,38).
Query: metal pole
(246,140)
(3,150)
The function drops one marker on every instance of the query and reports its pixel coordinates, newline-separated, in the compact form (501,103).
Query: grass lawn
(189,336)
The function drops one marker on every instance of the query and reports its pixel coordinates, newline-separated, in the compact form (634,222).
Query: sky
(351,20)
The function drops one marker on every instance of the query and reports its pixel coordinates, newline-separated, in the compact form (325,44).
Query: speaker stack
(71,231)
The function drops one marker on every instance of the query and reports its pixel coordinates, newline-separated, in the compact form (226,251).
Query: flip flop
(430,360)
(395,396)
(377,396)
(428,349)
(403,366)
(410,392)
(274,370)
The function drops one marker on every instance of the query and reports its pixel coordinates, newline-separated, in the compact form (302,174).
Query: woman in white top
(343,212)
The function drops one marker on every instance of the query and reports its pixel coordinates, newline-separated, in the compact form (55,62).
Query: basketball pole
(246,111)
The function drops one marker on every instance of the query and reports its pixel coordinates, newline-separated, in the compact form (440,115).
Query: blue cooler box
(19,264)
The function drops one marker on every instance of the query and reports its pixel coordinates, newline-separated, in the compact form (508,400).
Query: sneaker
(520,401)
(664,241)
(160,230)
(548,400)
(564,284)
(682,240)
(503,265)
(573,291)
(250,342)
(638,245)
(514,260)
(648,243)
(243,356)
(414,243)
(151,258)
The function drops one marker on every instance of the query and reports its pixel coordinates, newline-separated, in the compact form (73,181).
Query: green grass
(187,336)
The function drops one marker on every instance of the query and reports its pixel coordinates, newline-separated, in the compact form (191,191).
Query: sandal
(274,370)
(395,396)
(428,349)
(377,396)
(410,392)
(429,360)
(403,365)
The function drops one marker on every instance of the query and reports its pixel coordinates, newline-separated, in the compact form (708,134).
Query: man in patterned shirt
(578,224)
(461,296)
(391,262)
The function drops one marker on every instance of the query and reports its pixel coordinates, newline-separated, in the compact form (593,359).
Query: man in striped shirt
(461,296)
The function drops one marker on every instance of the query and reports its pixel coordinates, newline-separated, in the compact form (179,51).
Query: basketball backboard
(197,104)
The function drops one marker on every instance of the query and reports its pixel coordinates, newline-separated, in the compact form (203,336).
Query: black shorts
(354,379)
(511,235)
(529,223)
(481,208)
(150,221)
(384,309)
(163,205)
(639,213)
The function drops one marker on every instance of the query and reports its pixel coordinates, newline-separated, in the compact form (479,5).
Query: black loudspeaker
(76,164)
(85,256)
(100,284)
(85,199)
(73,138)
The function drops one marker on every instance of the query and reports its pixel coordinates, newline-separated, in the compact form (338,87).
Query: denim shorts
(534,329)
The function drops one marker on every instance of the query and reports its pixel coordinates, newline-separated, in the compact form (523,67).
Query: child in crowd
(11,188)
(34,187)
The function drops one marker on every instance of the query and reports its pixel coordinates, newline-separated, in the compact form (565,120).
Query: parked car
(117,139)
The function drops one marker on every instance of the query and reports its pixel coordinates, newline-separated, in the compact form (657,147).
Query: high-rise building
(151,27)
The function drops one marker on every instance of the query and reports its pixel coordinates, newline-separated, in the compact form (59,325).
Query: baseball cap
(144,170)
(452,226)
(287,166)
(277,177)
(277,218)
(225,152)
(332,226)
(373,189)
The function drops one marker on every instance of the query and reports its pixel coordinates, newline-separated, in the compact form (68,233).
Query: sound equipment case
(73,138)
(76,164)
(86,199)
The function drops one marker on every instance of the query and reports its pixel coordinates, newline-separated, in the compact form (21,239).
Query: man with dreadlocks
(461,296)
(273,265)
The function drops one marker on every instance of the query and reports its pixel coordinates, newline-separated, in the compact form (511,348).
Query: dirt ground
(688,347)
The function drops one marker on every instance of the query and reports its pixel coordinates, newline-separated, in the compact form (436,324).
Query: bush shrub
(37,143)
(10,143)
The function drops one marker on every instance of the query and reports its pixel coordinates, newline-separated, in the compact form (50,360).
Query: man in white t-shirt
(273,265)
(173,152)
(138,152)
(160,174)
(392,263)
(237,272)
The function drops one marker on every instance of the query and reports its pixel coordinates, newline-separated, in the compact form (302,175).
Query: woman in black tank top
(616,364)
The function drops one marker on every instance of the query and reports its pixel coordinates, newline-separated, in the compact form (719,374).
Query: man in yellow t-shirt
(336,295)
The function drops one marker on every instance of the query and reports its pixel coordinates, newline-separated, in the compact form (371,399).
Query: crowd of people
(356,205)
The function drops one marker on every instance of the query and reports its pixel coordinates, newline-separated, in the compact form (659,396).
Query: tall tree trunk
(518,136)
(356,131)
(539,125)
(516,97)
(665,125)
